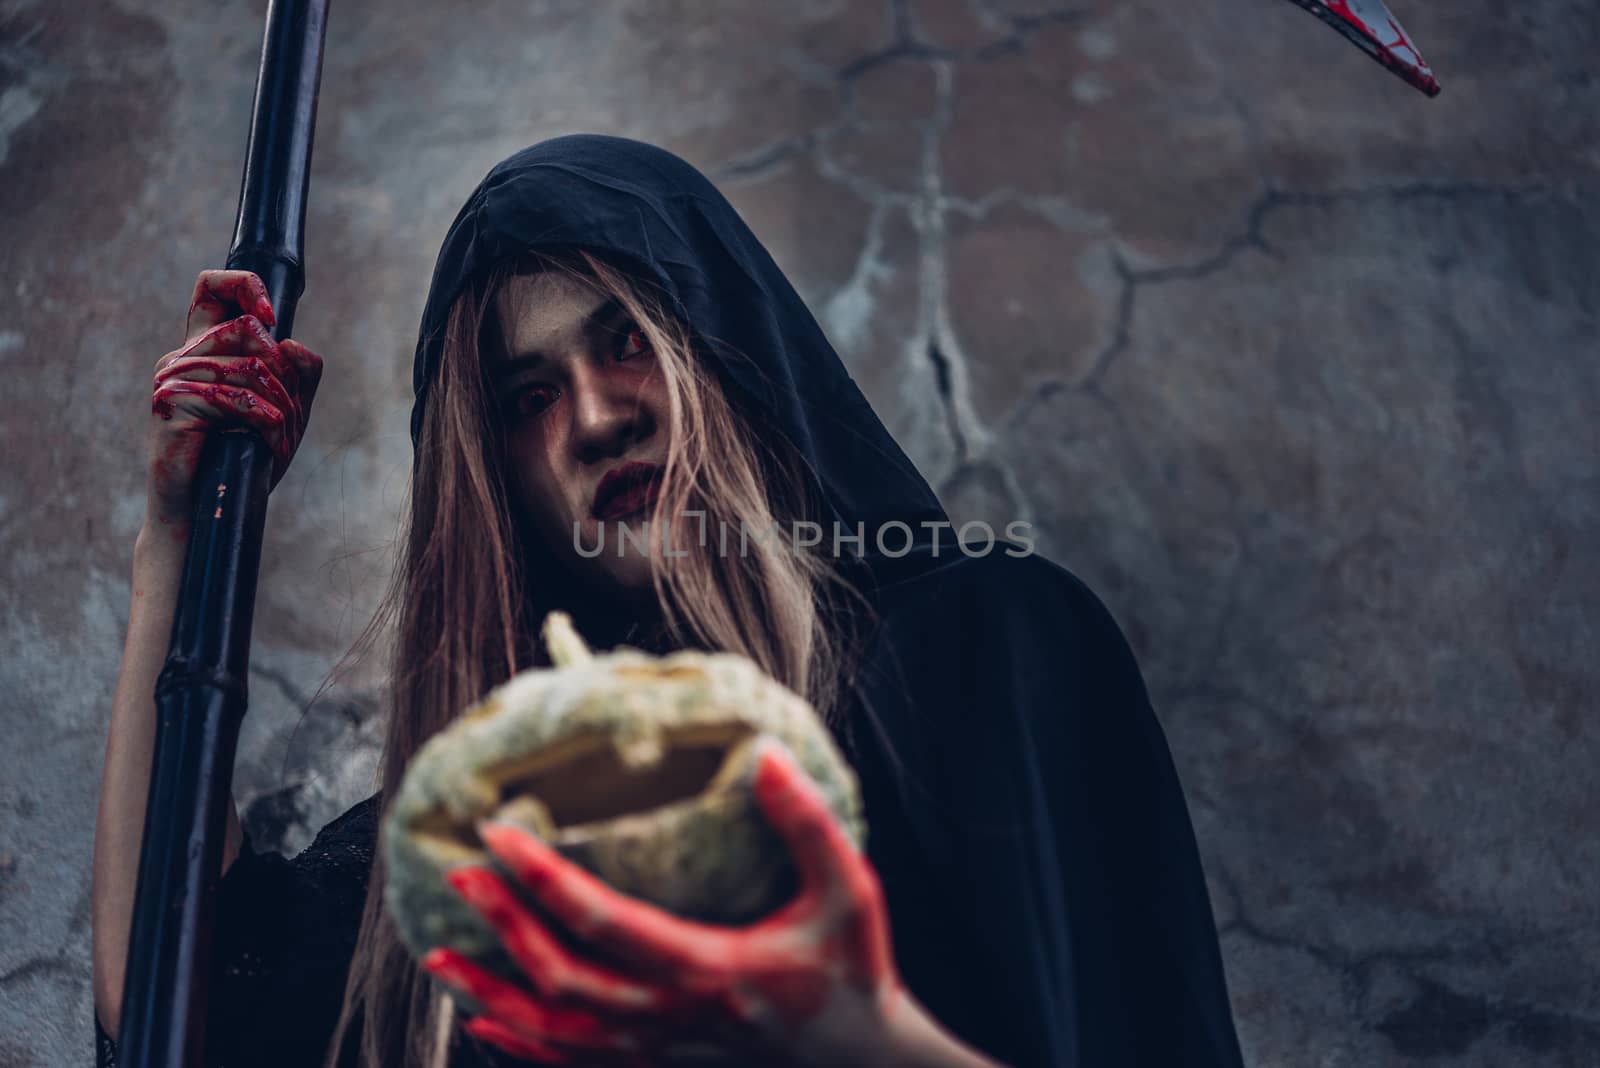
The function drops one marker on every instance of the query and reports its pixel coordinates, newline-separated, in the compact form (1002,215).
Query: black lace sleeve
(285,932)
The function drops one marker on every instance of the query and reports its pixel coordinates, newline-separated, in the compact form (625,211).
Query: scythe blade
(1371,26)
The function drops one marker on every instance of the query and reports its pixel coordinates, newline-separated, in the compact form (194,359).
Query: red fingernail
(264,312)
(505,836)
(771,767)
(532,859)
(467,883)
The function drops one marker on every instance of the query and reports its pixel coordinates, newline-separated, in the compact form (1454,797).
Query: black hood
(646,209)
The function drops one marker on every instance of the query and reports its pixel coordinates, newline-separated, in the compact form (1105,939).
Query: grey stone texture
(1297,368)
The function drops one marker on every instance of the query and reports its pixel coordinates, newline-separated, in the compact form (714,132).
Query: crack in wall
(936,340)
(941,372)
(354,711)
(1441,1022)
(1252,238)
(941,347)
(850,307)
(1021,27)
(765,161)
(1438,1021)
(60,962)
(68,958)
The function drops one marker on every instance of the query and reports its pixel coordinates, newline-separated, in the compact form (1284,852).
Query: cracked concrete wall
(1294,366)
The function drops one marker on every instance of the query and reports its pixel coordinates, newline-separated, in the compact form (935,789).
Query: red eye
(531,400)
(634,345)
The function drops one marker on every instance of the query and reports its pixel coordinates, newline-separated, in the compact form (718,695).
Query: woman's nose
(608,413)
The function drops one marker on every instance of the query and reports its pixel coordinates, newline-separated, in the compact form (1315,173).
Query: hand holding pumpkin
(814,982)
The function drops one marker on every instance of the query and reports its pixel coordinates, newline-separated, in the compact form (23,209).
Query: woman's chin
(616,552)
(629,578)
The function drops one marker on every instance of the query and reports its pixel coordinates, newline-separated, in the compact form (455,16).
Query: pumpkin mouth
(592,779)
(596,777)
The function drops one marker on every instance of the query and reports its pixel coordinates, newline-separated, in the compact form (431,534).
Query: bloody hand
(814,982)
(229,372)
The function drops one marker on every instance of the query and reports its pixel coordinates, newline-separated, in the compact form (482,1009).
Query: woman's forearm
(125,780)
(917,1040)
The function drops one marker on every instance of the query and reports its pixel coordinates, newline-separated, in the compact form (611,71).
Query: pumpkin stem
(561,638)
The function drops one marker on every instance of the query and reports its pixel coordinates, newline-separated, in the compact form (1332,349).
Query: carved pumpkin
(636,767)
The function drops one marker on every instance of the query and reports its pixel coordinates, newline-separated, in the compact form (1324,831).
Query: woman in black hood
(604,338)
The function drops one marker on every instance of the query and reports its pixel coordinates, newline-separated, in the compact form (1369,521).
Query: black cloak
(1045,892)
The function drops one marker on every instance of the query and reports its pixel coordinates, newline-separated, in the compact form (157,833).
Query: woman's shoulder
(335,867)
(1020,630)
(357,825)
(1009,582)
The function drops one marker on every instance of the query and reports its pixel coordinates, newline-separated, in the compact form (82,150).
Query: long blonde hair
(466,598)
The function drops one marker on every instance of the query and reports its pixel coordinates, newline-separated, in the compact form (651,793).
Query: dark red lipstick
(625,490)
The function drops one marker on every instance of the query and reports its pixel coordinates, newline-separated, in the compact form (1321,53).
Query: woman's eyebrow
(603,320)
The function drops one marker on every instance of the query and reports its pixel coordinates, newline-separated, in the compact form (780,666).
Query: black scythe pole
(200,695)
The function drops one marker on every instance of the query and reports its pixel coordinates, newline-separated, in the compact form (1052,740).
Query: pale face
(582,395)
